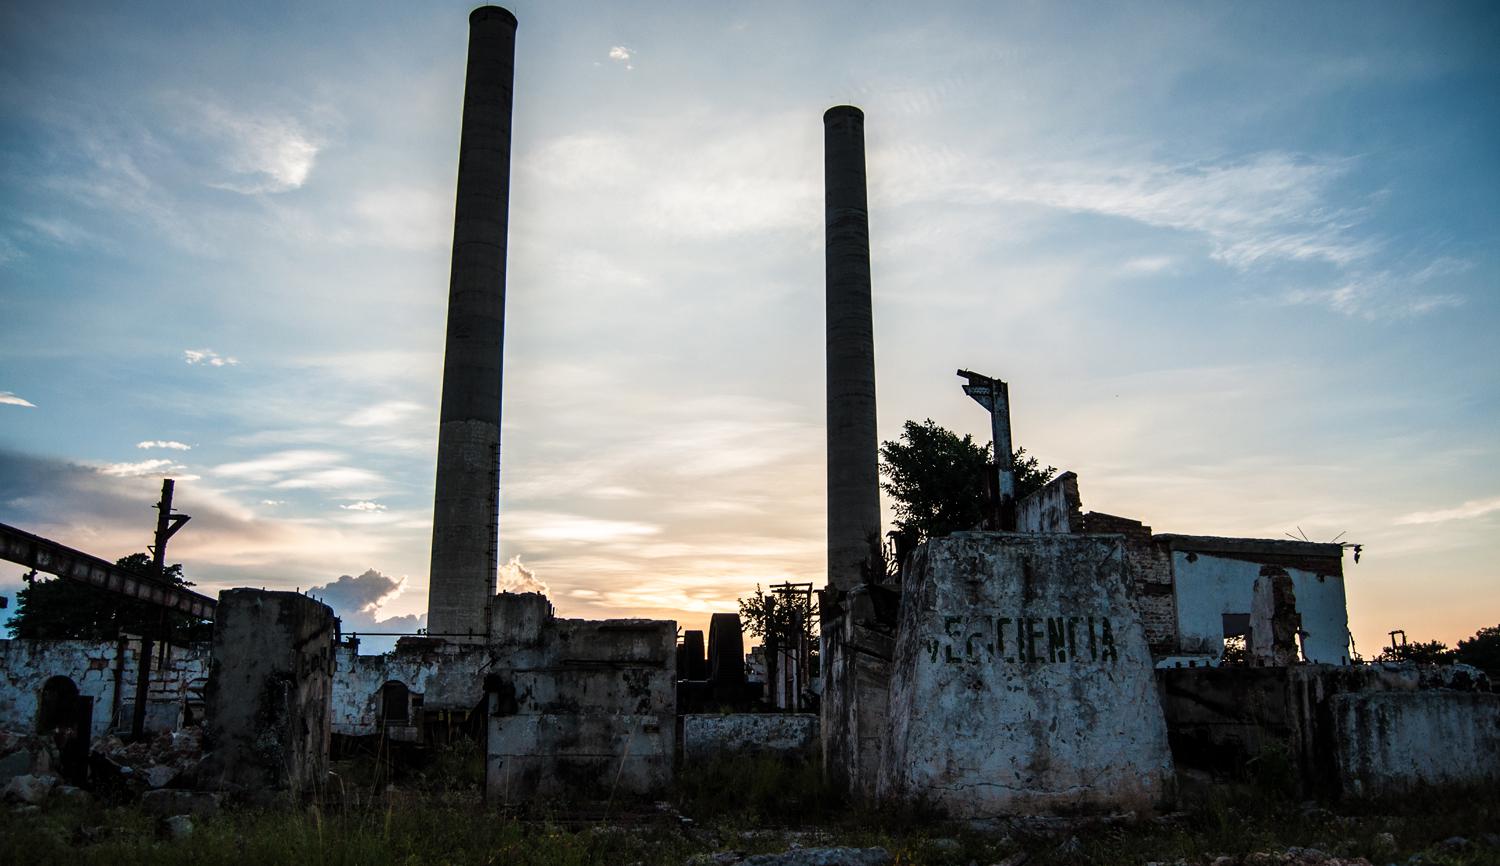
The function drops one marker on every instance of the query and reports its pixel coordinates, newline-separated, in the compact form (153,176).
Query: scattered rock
(29,789)
(1020,858)
(159,775)
(70,794)
(716,859)
(1454,843)
(947,844)
(179,826)
(166,801)
(17,763)
(824,857)
(1383,843)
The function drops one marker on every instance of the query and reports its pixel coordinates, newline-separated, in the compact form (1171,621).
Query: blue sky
(1237,262)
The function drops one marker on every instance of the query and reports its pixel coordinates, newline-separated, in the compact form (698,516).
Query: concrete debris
(29,789)
(824,857)
(70,794)
(166,802)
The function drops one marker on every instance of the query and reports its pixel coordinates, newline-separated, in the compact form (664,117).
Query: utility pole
(994,395)
(167,525)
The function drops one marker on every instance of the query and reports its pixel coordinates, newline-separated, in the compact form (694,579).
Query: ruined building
(1059,661)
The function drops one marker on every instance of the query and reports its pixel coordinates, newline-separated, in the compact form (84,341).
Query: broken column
(466,508)
(269,695)
(1274,621)
(853,697)
(1022,682)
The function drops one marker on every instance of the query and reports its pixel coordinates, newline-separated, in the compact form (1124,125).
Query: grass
(435,816)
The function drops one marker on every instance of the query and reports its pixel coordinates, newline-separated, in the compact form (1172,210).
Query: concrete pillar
(853,476)
(466,507)
(269,700)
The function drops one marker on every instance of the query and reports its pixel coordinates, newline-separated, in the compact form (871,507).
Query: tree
(65,609)
(779,613)
(1433,652)
(1482,651)
(937,479)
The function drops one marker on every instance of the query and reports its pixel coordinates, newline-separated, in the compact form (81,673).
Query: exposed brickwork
(1150,567)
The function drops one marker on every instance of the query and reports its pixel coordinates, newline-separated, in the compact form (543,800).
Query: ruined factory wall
(858,639)
(579,707)
(1394,742)
(786,735)
(1211,583)
(104,673)
(1057,507)
(1149,566)
(270,691)
(1222,719)
(1022,681)
(437,675)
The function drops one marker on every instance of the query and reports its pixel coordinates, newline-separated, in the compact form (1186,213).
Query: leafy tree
(937,479)
(62,609)
(1482,651)
(763,614)
(1433,652)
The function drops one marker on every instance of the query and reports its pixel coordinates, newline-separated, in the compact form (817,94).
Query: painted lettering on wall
(987,638)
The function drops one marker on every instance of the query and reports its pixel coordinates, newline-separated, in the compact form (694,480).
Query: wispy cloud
(261,153)
(169,444)
(1386,294)
(1471,509)
(10,398)
(384,414)
(143,467)
(208,357)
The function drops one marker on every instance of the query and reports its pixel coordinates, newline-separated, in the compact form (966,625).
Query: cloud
(620,54)
(364,505)
(262,153)
(358,600)
(10,398)
(548,526)
(383,414)
(209,357)
(144,467)
(169,444)
(303,469)
(1269,206)
(1386,294)
(1472,508)
(515,577)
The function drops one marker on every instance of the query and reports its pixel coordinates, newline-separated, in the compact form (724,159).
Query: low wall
(790,735)
(1392,742)
(1022,681)
(439,676)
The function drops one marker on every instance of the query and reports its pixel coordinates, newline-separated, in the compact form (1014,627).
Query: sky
(1238,263)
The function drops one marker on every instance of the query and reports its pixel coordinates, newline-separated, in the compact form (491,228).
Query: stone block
(786,735)
(1022,681)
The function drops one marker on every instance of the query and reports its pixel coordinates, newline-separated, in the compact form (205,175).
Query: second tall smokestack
(466,507)
(853,473)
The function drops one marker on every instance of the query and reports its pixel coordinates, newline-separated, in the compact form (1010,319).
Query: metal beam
(46,555)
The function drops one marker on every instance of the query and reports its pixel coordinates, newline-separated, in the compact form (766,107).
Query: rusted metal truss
(46,555)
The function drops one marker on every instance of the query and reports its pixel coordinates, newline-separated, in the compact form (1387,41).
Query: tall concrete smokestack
(466,509)
(853,475)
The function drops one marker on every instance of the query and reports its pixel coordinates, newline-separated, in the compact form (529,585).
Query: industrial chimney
(853,475)
(466,508)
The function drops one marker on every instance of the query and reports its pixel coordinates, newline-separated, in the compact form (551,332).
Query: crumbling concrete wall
(1022,681)
(785,735)
(1216,576)
(1150,568)
(270,692)
(1393,742)
(440,676)
(583,708)
(105,672)
(1057,507)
